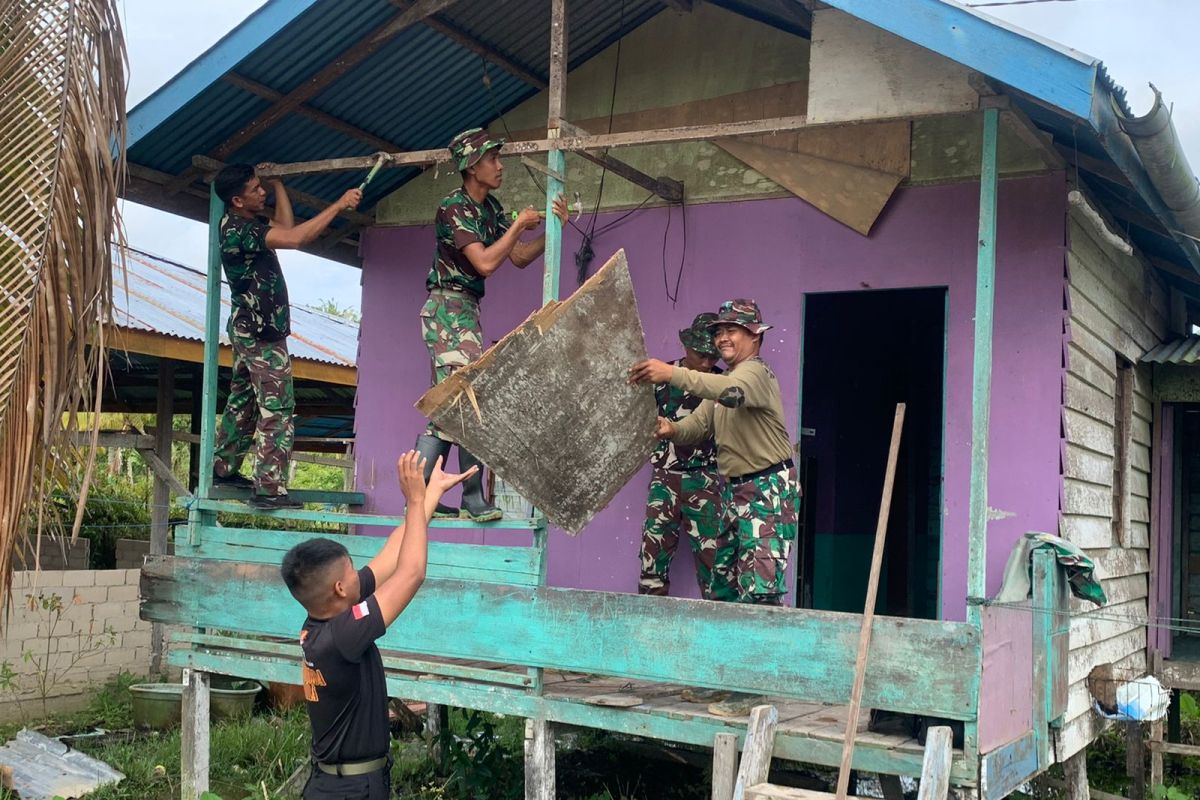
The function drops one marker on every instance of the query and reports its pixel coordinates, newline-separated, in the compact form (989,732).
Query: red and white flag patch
(361,610)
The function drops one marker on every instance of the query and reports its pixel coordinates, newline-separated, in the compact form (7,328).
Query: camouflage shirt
(461,221)
(675,404)
(256,286)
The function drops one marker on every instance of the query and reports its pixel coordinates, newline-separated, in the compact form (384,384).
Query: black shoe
(274,502)
(474,507)
(234,481)
(430,447)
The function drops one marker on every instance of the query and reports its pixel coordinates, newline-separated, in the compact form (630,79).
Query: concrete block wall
(92,600)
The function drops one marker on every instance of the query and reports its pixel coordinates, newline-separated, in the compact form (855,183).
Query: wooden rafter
(336,68)
(209,166)
(666,188)
(687,133)
(680,5)
(488,53)
(328,120)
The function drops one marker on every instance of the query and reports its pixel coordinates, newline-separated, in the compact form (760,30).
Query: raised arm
(384,562)
(294,237)
(283,217)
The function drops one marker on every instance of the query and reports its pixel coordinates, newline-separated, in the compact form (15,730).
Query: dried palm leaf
(62,119)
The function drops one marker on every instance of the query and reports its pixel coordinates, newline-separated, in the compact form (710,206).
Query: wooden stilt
(195,735)
(1135,760)
(539,760)
(935,769)
(725,765)
(160,511)
(1075,771)
(1156,727)
(437,719)
(756,754)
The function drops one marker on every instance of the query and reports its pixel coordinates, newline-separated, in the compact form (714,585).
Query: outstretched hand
(412,477)
(650,371)
(664,428)
(441,481)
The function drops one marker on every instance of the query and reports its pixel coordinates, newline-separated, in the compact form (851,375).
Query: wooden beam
(686,133)
(1097,166)
(328,120)
(209,166)
(163,472)
(334,69)
(148,187)
(157,344)
(1183,273)
(194,736)
(666,188)
(557,99)
(686,6)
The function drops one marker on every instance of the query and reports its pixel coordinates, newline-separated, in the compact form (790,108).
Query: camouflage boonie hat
(741,312)
(698,337)
(469,146)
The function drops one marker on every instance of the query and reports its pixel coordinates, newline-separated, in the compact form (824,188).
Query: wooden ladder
(751,783)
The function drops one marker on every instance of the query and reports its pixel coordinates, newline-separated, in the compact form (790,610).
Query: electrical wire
(1014,3)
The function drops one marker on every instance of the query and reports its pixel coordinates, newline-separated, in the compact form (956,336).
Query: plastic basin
(160,705)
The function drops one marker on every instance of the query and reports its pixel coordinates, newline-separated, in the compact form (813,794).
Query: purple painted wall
(774,251)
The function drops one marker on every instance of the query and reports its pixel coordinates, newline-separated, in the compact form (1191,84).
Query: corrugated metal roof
(1181,351)
(416,91)
(45,768)
(167,298)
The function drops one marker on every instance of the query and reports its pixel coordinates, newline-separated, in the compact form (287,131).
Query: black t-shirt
(344,682)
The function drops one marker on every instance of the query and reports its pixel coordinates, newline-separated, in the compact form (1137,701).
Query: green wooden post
(1051,640)
(212,344)
(981,386)
(556,162)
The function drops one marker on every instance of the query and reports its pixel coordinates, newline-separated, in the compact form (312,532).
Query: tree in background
(62,113)
(330,307)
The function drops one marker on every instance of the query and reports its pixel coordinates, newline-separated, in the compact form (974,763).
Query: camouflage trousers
(450,328)
(760,525)
(691,502)
(259,411)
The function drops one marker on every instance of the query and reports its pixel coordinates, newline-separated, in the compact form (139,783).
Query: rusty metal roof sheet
(167,298)
(45,768)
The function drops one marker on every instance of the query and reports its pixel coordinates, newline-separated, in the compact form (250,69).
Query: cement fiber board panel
(548,407)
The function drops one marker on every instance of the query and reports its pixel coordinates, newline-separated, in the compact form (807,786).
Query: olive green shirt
(742,409)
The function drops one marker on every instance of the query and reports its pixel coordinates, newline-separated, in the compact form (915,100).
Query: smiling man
(474,239)
(261,400)
(743,411)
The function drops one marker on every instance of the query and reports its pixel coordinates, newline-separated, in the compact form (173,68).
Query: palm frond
(62,121)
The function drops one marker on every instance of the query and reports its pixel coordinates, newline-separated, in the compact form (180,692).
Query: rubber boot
(474,507)
(431,447)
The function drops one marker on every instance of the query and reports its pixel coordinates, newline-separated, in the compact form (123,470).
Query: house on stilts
(930,205)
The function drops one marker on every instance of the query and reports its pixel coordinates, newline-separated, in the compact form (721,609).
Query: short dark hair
(307,564)
(231,180)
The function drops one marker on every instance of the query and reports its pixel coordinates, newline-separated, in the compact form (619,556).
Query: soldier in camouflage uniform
(261,401)
(743,410)
(474,238)
(685,487)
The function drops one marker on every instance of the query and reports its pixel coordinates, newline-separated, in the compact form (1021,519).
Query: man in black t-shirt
(261,400)
(348,610)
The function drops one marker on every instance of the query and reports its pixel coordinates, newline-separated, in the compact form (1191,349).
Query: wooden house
(930,207)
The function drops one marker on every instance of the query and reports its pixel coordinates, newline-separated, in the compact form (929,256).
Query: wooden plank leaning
(864,639)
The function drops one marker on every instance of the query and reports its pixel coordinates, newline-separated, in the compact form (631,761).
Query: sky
(1140,41)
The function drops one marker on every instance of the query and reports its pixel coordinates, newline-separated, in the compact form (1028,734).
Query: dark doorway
(863,353)
(1186,578)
